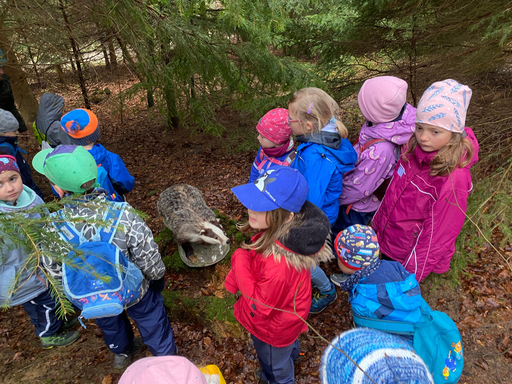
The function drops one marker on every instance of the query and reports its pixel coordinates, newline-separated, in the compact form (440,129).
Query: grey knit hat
(8,122)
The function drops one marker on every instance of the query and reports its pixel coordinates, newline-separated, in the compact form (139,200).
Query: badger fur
(186,214)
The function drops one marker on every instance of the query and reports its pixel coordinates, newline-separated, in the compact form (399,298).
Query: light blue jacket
(30,283)
(323,168)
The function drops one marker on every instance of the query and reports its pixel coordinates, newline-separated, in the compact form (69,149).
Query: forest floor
(481,305)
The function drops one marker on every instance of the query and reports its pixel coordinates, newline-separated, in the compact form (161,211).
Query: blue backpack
(117,280)
(435,338)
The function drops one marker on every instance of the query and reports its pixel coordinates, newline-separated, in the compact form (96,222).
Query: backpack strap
(396,327)
(263,160)
(370,142)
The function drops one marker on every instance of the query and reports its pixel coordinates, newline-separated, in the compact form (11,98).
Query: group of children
(408,173)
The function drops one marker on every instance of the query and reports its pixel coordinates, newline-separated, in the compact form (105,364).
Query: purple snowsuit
(377,163)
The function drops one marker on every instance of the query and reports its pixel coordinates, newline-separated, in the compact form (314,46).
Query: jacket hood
(345,153)
(306,244)
(50,110)
(99,153)
(28,199)
(397,132)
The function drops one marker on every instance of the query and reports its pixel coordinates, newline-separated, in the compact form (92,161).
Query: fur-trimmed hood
(306,245)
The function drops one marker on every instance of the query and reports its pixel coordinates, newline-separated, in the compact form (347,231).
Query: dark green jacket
(7,100)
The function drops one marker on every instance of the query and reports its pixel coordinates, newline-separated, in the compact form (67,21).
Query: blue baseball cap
(281,187)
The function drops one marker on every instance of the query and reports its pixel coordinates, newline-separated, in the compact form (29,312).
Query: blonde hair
(278,229)
(458,152)
(321,107)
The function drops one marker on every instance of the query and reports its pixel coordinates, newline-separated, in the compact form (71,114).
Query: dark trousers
(277,363)
(151,319)
(346,220)
(42,314)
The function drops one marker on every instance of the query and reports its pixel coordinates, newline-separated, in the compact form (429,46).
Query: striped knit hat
(386,358)
(81,125)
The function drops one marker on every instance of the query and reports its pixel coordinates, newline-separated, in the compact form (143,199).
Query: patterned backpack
(115,282)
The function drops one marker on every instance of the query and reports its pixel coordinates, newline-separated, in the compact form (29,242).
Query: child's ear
(60,191)
(309,126)
(291,217)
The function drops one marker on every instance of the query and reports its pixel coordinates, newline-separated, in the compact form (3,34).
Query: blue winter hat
(281,187)
(81,125)
(386,358)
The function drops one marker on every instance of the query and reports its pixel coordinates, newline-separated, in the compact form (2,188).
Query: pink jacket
(418,222)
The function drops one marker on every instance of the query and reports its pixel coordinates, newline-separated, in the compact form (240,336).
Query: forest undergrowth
(476,293)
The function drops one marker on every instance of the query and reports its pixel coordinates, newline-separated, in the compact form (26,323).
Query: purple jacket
(377,163)
(418,221)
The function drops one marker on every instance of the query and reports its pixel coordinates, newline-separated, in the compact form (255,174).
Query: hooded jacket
(419,220)
(31,283)
(279,280)
(119,176)
(47,122)
(376,163)
(134,239)
(323,166)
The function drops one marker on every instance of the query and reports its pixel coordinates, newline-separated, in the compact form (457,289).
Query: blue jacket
(119,181)
(9,146)
(262,163)
(32,282)
(323,168)
(389,293)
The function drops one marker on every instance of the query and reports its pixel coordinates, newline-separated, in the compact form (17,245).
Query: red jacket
(273,282)
(418,221)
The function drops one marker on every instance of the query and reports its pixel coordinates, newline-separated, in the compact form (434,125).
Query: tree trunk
(76,54)
(105,55)
(112,52)
(60,73)
(24,97)
(35,66)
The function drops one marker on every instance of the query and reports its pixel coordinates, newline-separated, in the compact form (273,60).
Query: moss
(216,213)
(164,238)
(240,237)
(220,309)
(174,262)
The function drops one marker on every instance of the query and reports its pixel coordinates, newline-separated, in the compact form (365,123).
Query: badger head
(211,233)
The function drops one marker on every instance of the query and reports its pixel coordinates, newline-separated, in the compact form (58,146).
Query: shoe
(320,301)
(260,379)
(339,278)
(122,360)
(60,339)
(68,324)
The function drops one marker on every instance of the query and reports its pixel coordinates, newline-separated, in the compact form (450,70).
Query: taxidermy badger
(186,214)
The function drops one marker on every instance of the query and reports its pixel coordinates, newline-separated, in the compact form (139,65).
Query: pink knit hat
(382,98)
(445,105)
(162,370)
(274,126)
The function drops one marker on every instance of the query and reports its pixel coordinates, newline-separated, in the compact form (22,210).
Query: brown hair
(278,229)
(458,152)
(88,186)
(322,108)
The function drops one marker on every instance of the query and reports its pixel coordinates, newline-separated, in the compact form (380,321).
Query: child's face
(266,143)
(344,268)
(258,220)
(11,186)
(298,127)
(431,138)
(10,134)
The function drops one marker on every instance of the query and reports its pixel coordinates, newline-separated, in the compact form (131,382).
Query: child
(424,207)
(276,143)
(9,146)
(31,289)
(72,169)
(273,273)
(323,157)
(377,289)
(82,127)
(390,122)
(47,125)
(386,359)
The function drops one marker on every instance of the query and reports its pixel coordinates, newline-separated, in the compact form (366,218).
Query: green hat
(66,166)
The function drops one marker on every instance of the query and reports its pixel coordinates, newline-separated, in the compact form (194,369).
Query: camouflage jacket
(134,238)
